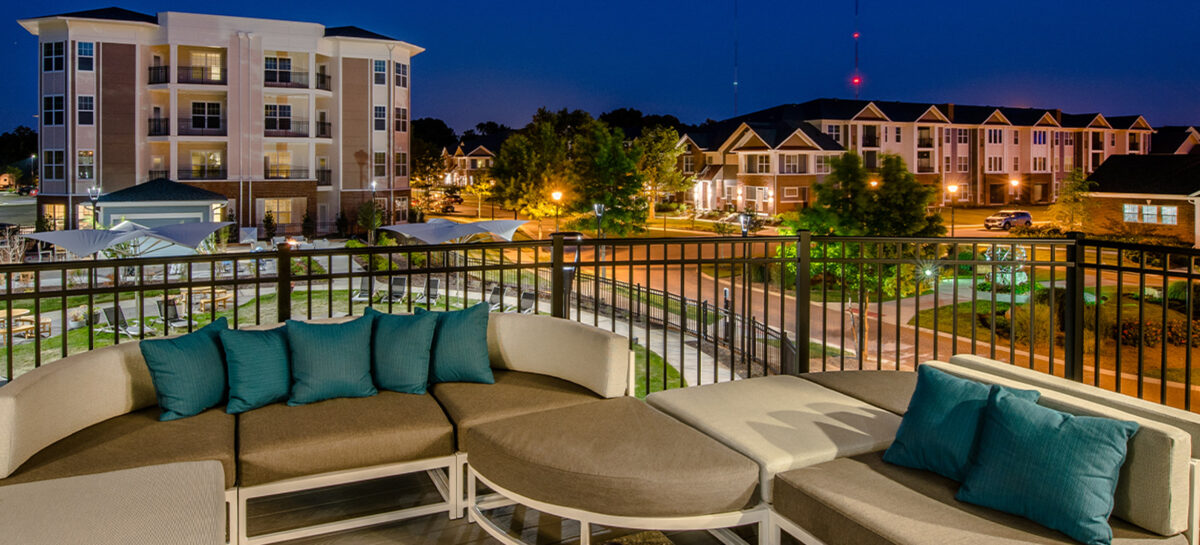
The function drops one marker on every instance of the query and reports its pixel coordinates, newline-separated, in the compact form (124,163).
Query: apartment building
(285,117)
(769,160)
(472,158)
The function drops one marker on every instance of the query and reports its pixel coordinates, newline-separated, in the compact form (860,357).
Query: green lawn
(657,367)
(945,318)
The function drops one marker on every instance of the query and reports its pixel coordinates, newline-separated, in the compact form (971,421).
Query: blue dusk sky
(502,60)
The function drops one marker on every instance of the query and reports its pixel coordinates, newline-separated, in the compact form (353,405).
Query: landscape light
(557,195)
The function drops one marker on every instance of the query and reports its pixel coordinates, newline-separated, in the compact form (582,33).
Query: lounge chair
(496,299)
(114,317)
(397,289)
(169,314)
(432,292)
(528,303)
(364,293)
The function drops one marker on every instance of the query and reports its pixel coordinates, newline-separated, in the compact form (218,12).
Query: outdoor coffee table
(617,463)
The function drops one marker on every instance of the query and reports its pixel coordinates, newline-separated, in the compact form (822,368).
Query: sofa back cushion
(1153,488)
(590,357)
(68,395)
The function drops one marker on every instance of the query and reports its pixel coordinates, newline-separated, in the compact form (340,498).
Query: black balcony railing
(324,129)
(285,172)
(160,74)
(324,177)
(324,81)
(202,126)
(160,126)
(285,127)
(202,173)
(1118,316)
(155,174)
(209,75)
(285,78)
(925,142)
(869,141)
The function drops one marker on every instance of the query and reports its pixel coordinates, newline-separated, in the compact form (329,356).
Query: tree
(1072,204)
(658,157)
(482,190)
(535,162)
(268,223)
(428,138)
(487,128)
(605,171)
(846,204)
(18,144)
(15,172)
(370,218)
(308,226)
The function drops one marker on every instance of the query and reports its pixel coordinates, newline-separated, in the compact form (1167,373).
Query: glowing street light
(557,197)
(1014,184)
(952,189)
(94,195)
(874,184)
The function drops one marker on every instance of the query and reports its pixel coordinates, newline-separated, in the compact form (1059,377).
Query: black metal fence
(697,310)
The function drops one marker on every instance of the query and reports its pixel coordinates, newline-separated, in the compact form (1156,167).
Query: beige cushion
(781,422)
(616,457)
(134,440)
(1184,420)
(68,395)
(889,390)
(278,442)
(1153,488)
(588,356)
(181,504)
(515,393)
(864,501)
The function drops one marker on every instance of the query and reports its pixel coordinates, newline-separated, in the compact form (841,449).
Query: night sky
(501,60)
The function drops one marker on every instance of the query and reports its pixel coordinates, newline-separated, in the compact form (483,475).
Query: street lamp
(874,184)
(952,189)
(771,199)
(94,195)
(598,208)
(745,218)
(557,197)
(1014,183)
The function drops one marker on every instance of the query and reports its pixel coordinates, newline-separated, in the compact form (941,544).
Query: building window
(1149,214)
(1068,139)
(1016,136)
(381,118)
(834,132)
(52,110)
(402,119)
(791,193)
(1039,138)
(898,132)
(1068,163)
(52,56)
(995,136)
(758,164)
(793,164)
(963,136)
(380,72)
(401,163)
(689,164)
(1039,164)
(945,136)
(86,56)
(54,164)
(1057,138)
(86,109)
(279,209)
(277,70)
(821,165)
(995,163)
(1130,213)
(1016,164)
(1135,142)
(86,165)
(946,165)
(401,75)
(1170,215)
(1112,139)
(278,117)
(380,164)
(206,115)
(964,163)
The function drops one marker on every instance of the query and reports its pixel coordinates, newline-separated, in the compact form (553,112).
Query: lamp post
(744,219)
(1014,184)
(557,197)
(952,189)
(874,184)
(94,195)
(598,208)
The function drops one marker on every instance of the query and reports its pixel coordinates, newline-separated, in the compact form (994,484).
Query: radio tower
(735,57)
(856,79)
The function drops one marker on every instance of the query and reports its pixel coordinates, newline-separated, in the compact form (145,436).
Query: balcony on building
(203,172)
(284,127)
(870,138)
(324,129)
(154,174)
(159,126)
(924,162)
(924,137)
(205,75)
(324,81)
(324,177)
(160,74)
(202,126)
(286,172)
(285,78)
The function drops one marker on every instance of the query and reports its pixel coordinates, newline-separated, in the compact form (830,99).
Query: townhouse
(291,118)
(472,158)
(769,160)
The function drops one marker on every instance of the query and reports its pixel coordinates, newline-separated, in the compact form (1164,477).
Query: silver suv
(1007,219)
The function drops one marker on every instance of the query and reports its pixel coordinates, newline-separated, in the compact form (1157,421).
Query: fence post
(1073,313)
(558,289)
(283,275)
(803,293)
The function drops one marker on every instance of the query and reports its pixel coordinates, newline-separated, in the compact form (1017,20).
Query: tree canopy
(1072,204)
(658,157)
(847,204)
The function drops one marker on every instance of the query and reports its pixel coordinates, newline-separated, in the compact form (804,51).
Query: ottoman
(616,462)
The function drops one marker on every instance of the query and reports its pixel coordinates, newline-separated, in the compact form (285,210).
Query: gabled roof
(1027,117)
(1083,121)
(1150,174)
(1168,139)
(1128,122)
(105,14)
(161,189)
(482,146)
(355,32)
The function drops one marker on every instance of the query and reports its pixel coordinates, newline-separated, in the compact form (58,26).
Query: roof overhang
(941,118)
(1142,196)
(873,110)
(1041,122)
(413,50)
(32,25)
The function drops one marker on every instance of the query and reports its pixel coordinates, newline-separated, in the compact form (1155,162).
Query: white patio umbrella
(438,231)
(128,239)
(82,242)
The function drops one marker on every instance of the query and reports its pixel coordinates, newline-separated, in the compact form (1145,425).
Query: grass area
(659,370)
(946,315)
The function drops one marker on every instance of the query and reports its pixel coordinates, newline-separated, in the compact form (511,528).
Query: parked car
(454,198)
(30,190)
(1007,219)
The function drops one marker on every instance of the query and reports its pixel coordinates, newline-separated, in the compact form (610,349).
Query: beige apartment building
(285,117)
(769,160)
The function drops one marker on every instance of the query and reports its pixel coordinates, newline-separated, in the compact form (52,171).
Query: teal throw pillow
(188,371)
(1056,469)
(940,428)
(460,351)
(401,349)
(259,371)
(330,360)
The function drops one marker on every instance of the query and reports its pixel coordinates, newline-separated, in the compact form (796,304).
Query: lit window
(380,164)
(401,75)
(791,193)
(821,165)
(381,119)
(52,110)
(87,109)
(1130,213)
(1170,215)
(1149,214)
(758,164)
(86,164)
(52,57)
(86,56)
(381,73)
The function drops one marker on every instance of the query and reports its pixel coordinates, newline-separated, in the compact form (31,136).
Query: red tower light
(856,80)
(855,35)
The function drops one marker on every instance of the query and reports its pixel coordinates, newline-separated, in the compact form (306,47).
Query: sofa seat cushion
(890,390)
(781,422)
(863,500)
(616,457)
(279,442)
(513,393)
(134,440)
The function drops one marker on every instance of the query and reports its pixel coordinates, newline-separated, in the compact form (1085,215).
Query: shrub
(1133,330)
(1177,333)
(984,286)
(1041,324)
(268,223)
(378,262)
(1037,231)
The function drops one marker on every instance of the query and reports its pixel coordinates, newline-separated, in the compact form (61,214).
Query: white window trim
(79,109)
(79,56)
(79,165)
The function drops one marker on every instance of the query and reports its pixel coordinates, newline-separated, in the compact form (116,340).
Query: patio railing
(697,310)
